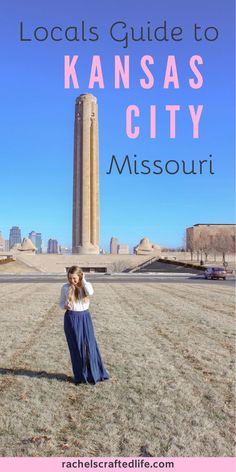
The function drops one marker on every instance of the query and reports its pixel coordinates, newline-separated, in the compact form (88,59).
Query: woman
(85,356)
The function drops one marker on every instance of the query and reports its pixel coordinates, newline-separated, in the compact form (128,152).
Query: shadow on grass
(38,374)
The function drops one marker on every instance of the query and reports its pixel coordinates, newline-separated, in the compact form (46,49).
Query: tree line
(203,243)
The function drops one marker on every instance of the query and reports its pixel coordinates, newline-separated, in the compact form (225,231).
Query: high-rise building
(44,247)
(36,239)
(39,243)
(85,237)
(6,245)
(52,246)
(2,242)
(114,245)
(32,237)
(15,236)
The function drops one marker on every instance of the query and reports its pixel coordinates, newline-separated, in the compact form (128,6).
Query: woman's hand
(68,306)
(83,279)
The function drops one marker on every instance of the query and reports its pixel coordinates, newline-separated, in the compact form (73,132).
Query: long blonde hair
(76,292)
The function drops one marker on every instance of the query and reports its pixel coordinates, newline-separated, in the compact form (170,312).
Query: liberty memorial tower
(85,237)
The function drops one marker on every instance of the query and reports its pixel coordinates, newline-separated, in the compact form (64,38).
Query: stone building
(27,246)
(123,249)
(114,245)
(204,234)
(146,247)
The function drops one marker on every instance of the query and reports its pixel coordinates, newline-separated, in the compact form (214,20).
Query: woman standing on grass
(85,356)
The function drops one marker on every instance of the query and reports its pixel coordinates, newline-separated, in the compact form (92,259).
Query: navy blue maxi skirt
(85,356)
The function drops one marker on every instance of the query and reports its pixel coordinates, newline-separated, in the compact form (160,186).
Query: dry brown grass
(169,349)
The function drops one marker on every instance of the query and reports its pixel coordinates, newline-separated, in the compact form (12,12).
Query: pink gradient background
(54,464)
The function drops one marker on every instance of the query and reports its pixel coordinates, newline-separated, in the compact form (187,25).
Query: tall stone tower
(85,237)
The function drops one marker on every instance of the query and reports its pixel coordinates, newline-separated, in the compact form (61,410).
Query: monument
(146,247)
(85,237)
(26,247)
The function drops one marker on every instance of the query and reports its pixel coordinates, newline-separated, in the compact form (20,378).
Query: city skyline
(61,244)
(112,247)
(38,114)
(16,237)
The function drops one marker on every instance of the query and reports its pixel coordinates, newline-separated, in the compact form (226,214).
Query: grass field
(169,350)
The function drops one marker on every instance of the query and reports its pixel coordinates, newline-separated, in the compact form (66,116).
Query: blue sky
(37,116)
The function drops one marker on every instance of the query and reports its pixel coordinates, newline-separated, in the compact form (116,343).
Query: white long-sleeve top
(81,304)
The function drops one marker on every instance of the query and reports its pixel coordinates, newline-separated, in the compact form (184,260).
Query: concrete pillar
(85,237)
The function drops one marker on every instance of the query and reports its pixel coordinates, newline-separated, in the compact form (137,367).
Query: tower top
(86,97)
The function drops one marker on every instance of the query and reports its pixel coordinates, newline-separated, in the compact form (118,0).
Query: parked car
(215,273)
